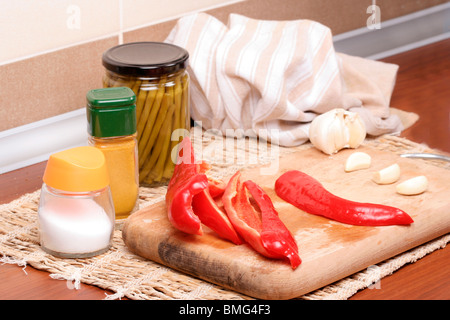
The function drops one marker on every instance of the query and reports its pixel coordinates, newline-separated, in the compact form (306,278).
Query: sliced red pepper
(216,187)
(214,217)
(188,201)
(261,229)
(185,183)
(307,194)
(276,238)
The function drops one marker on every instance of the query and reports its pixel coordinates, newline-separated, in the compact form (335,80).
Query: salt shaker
(76,214)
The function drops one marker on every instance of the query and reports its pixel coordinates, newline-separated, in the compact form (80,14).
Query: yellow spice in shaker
(111,116)
(120,156)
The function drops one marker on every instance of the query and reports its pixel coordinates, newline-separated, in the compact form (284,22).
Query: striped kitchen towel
(253,76)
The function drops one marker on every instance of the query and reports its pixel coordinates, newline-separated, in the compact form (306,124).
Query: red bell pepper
(185,183)
(208,209)
(216,187)
(188,201)
(211,215)
(260,227)
(307,194)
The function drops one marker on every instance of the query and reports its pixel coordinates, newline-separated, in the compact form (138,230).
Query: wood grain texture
(407,283)
(329,250)
(422,87)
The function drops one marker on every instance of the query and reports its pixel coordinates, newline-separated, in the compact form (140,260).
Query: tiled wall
(50,50)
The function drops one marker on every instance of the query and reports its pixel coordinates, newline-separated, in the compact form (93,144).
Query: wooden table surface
(423,87)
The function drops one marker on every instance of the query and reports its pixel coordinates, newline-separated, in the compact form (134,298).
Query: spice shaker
(76,214)
(111,114)
(157,73)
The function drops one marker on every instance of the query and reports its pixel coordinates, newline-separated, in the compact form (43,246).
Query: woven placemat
(128,275)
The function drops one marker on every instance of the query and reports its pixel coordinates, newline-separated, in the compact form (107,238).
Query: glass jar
(111,114)
(76,213)
(157,74)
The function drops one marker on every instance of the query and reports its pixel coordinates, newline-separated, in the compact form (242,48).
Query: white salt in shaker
(76,213)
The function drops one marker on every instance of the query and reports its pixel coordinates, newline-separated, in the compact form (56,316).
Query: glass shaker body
(122,162)
(75,224)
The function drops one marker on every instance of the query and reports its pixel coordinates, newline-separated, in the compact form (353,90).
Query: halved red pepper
(260,227)
(188,201)
(307,194)
(185,183)
(216,187)
(211,215)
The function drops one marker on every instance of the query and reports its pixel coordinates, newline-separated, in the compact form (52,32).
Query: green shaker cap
(111,112)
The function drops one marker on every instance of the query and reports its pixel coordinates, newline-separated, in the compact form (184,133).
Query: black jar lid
(145,59)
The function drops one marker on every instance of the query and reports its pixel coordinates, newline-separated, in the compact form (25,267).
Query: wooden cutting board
(329,250)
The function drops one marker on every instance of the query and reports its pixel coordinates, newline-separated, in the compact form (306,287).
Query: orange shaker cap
(79,169)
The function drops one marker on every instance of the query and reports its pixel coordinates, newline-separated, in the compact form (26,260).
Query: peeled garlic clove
(387,175)
(357,161)
(356,129)
(413,186)
(337,129)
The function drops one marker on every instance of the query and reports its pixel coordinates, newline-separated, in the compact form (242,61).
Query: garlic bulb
(337,129)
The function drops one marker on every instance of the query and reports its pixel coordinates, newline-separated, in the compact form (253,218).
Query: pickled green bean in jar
(157,74)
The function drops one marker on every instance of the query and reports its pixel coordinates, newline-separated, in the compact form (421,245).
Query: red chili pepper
(260,227)
(307,194)
(188,201)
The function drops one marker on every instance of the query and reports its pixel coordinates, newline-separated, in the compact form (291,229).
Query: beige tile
(157,32)
(50,84)
(56,82)
(29,27)
(143,12)
(318,10)
(340,16)
(348,15)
